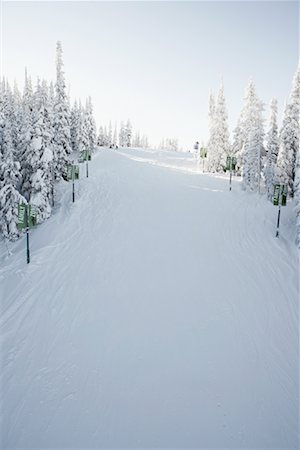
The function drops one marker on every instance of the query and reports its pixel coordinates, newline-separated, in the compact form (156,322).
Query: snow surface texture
(159,310)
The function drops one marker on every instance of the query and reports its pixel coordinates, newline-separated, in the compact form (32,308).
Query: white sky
(155,62)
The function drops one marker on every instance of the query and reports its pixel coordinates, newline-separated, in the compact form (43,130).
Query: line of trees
(122,138)
(263,157)
(39,132)
(169,144)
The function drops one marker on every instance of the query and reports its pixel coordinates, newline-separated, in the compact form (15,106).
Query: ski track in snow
(158,311)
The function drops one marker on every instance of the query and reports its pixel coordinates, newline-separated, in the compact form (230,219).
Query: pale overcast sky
(155,62)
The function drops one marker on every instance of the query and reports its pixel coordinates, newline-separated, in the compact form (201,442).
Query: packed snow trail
(159,310)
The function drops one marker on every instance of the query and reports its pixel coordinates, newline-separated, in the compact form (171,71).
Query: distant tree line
(122,137)
(169,144)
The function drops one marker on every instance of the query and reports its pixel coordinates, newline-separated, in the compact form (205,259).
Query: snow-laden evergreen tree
(51,99)
(75,121)
(17,121)
(115,136)
(211,116)
(122,135)
(272,148)
(100,139)
(25,136)
(90,124)
(28,92)
(110,136)
(83,136)
(73,126)
(9,179)
(253,148)
(105,136)
(51,96)
(238,141)
(51,102)
(289,136)
(9,109)
(220,147)
(62,135)
(137,140)
(144,141)
(128,134)
(41,155)
(252,162)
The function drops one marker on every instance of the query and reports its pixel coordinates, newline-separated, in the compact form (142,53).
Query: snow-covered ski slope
(158,311)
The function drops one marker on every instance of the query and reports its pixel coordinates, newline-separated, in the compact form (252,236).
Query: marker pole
(27,234)
(278,221)
(52,184)
(73,182)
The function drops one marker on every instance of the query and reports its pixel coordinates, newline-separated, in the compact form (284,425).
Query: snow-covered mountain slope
(159,310)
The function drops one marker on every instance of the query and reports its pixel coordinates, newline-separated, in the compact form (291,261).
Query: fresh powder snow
(158,310)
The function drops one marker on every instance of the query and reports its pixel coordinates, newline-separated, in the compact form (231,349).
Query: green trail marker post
(279,199)
(26,220)
(230,165)
(73,174)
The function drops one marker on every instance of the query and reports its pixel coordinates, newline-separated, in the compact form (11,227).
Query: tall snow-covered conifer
(62,135)
(211,115)
(9,178)
(144,141)
(84,141)
(219,144)
(100,139)
(238,141)
(122,137)
(253,149)
(115,136)
(128,134)
(272,148)
(110,136)
(90,124)
(75,127)
(24,144)
(41,178)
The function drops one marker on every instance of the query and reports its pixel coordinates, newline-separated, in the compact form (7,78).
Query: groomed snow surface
(158,311)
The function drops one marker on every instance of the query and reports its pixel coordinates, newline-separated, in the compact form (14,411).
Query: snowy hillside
(159,310)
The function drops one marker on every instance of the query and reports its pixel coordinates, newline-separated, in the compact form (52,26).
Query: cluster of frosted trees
(38,134)
(122,138)
(263,157)
(169,144)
